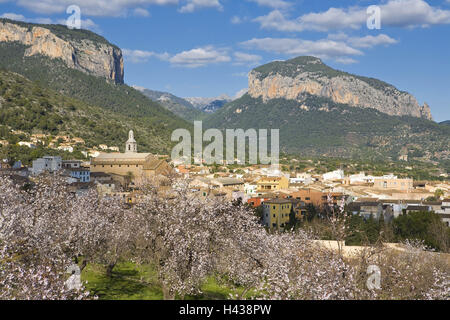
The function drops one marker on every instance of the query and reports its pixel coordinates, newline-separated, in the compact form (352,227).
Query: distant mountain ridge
(447,122)
(177,105)
(209,105)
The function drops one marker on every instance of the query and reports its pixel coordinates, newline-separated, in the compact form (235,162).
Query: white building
(27,144)
(47,163)
(334,175)
(250,188)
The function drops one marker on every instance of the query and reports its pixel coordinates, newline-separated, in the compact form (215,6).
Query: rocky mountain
(78,49)
(323,112)
(179,106)
(94,77)
(294,79)
(209,105)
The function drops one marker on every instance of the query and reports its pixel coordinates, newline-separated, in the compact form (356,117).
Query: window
(307,198)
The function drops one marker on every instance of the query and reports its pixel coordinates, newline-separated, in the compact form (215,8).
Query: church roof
(122,158)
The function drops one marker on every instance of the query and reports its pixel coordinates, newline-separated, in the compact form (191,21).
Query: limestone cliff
(97,58)
(294,78)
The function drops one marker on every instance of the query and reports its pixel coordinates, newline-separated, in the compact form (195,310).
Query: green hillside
(330,129)
(114,100)
(29,107)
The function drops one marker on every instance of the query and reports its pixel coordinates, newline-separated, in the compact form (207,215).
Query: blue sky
(207,47)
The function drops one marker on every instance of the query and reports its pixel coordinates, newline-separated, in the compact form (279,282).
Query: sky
(205,48)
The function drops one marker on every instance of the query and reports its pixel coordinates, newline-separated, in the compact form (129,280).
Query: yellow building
(136,166)
(276,213)
(272,183)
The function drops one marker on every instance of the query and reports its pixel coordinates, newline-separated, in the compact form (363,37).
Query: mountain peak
(297,78)
(82,50)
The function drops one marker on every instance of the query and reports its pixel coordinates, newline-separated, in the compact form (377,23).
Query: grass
(130,281)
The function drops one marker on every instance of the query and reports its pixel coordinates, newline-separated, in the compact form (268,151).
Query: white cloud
(371,41)
(87,24)
(394,13)
(200,57)
(276,4)
(236,20)
(240,93)
(241,74)
(13,16)
(363,42)
(91,7)
(241,58)
(194,5)
(276,20)
(324,48)
(140,56)
(345,60)
(141,12)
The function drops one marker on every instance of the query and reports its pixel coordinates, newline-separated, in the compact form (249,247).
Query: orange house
(256,201)
(315,197)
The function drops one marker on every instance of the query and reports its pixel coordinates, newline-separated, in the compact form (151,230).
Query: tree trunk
(166,293)
(109,269)
(84,264)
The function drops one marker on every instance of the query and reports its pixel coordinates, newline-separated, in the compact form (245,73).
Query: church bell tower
(131,145)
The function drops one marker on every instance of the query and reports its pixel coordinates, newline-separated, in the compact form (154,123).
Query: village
(275,192)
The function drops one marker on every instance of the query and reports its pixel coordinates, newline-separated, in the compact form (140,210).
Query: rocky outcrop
(292,82)
(99,59)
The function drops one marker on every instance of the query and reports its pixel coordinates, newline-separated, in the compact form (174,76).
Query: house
(71,164)
(299,208)
(250,188)
(417,208)
(136,166)
(276,213)
(47,163)
(66,147)
(103,147)
(255,202)
(27,144)
(315,197)
(267,184)
(228,182)
(393,183)
(81,174)
(334,175)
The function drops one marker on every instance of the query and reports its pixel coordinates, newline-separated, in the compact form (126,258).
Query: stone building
(136,166)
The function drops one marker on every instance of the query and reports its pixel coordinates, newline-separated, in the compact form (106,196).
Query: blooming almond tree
(43,228)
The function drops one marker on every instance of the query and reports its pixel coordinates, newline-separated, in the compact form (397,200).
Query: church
(132,164)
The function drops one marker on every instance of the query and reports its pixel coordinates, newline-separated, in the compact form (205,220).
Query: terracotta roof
(228,181)
(153,164)
(122,158)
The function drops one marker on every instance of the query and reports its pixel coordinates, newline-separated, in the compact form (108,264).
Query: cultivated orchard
(45,228)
